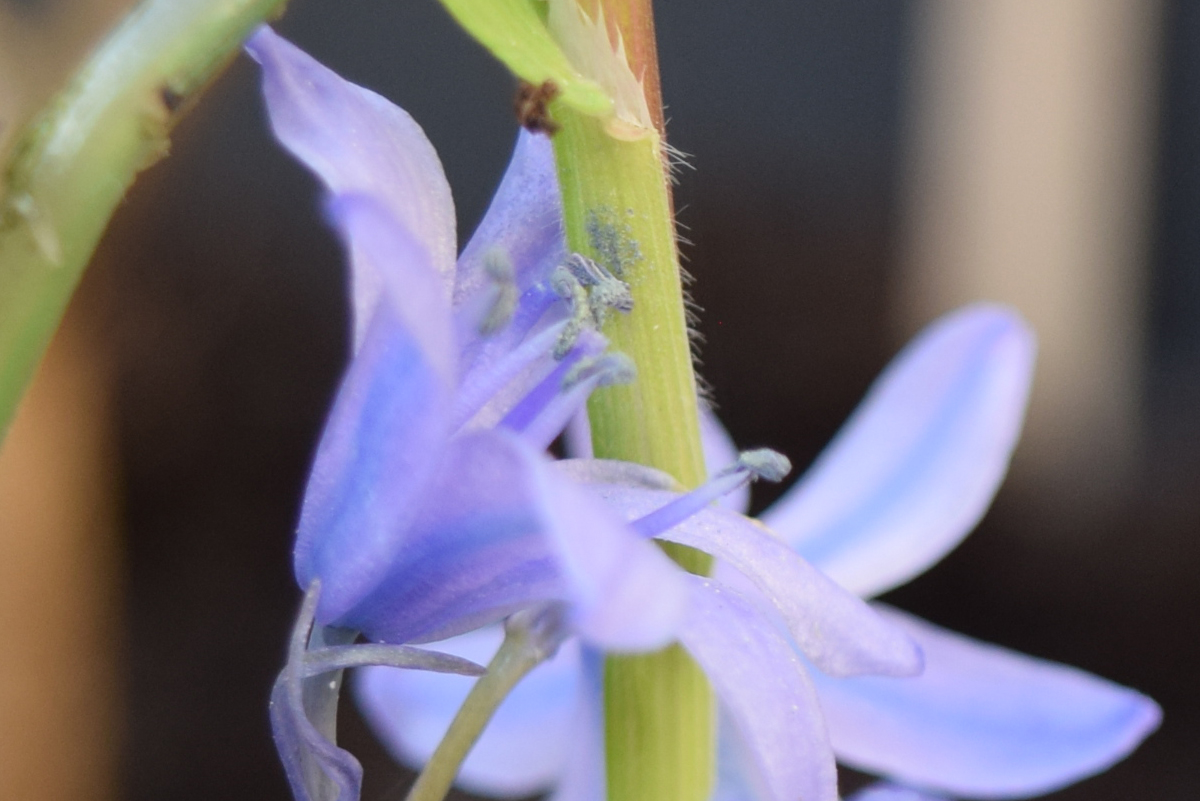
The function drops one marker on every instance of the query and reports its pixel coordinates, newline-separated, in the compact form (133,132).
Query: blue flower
(905,480)
(432,508)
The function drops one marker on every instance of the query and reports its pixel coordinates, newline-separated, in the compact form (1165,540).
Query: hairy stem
(659,711)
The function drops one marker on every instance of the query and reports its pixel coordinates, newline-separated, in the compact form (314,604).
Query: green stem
(529,639)
(659,711)
(72,165)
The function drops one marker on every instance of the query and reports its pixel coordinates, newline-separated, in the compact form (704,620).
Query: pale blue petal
(838,631)
(627,595)
(917,464)
(734,775)
(766,692)
(584,776)
(373,464)
(410,283)
(610,475)
(476,550)
(523,223)
(720,452)
(499,529)
(841,635)
(358,143)
(982,721)
(389,419)
(883,791)
(523,229)
(526,746)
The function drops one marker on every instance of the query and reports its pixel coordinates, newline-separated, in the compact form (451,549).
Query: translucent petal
(765,689)
(918,462)
(358,143)
(523,222)
(583,778)
(628,596)
(883,791)
(841,635)
(838,631)
(982,721)
(525,747)
(410,284)
(610,475)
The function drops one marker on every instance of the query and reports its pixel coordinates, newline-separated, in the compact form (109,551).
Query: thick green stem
(72,165)
(659,713)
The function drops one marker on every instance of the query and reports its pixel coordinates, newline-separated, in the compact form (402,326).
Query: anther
(605,370)
(763,463)
(580,279)
(605,290)
(568,287)
(499,270)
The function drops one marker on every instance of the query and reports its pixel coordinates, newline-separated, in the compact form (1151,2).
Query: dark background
(221,295)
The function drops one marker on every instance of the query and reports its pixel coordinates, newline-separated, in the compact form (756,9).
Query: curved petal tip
(917,464)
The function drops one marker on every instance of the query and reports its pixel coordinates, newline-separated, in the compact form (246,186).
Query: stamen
(481,354)
(568,287)
(605,290)
(499,270)
(763,463)
(545,412)
(537,398)
(586,270)
(610,368)
(588,375)
(480,386)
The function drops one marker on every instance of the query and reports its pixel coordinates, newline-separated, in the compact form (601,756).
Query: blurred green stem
(73,164)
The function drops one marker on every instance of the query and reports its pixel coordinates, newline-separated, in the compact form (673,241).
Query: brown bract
(531,105)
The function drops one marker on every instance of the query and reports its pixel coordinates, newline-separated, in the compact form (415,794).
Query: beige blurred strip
(60,721)
(59,583)
(1028,182)
(39,50)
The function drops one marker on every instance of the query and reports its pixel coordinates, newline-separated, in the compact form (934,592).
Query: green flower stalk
(658,708)
(659,714)
(612,168)
(73,164)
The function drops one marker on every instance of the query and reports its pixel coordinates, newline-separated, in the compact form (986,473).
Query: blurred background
(860,167)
